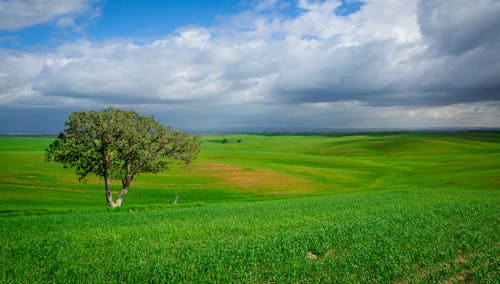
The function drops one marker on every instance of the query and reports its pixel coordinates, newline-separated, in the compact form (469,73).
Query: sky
(255,65)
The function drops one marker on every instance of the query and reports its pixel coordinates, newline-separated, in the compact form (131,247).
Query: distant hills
(291,130)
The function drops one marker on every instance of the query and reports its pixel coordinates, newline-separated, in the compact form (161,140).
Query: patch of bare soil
(275,182)
(494,185)
(460,276)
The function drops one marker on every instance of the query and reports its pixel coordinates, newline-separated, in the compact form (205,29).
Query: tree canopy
(119,144)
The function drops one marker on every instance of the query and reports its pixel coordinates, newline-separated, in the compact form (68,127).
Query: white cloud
(390,64)
(18,14)
(65,22)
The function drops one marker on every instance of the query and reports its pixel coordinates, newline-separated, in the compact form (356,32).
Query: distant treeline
(28,135)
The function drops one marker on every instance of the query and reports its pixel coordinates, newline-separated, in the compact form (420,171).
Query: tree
(119,144)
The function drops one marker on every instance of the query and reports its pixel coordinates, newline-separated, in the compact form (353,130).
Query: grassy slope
(405,207)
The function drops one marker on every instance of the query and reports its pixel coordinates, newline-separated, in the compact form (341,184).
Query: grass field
(379,207)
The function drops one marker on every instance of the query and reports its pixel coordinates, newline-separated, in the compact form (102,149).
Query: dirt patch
(248,178)
(459,276)
(217,167)
(494,185)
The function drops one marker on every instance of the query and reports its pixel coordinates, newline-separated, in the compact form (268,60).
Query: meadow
(341,208)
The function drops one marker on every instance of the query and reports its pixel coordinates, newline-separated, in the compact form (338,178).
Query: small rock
(311,255)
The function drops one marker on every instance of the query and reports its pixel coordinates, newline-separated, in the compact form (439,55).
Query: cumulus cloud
(18,14)
(391,60)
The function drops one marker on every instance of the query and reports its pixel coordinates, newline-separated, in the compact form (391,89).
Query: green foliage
(119,144)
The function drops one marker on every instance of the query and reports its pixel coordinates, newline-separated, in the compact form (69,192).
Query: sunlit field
(377,207)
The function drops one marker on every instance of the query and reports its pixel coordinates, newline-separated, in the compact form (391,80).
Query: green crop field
(347,208)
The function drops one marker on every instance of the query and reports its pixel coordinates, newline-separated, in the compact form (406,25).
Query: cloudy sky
(246,65)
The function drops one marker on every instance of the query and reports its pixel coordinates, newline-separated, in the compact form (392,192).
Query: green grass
(379,207)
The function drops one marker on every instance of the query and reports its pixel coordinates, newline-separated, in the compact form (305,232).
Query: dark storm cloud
(464,45)
(455,27)
(33,120)
(457,60)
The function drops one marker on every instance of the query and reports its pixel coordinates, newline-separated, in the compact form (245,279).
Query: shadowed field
(381,207)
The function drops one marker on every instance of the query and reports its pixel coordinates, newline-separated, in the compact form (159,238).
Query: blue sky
(250,65)
(140,20)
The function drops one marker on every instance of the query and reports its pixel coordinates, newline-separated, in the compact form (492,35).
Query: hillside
(380,207)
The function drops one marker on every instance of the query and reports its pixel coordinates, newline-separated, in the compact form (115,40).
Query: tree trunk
(121,195)
(109,194)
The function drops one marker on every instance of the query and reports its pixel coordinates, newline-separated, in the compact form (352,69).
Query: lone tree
(119,144)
